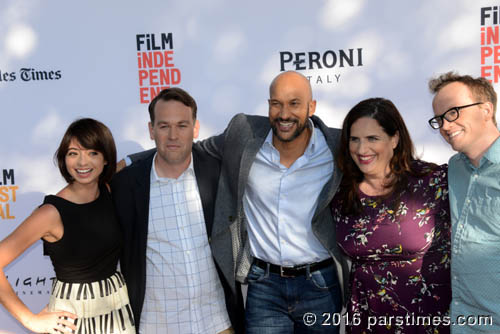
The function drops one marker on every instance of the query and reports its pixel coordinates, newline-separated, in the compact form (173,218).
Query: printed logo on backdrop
(325,64)
(490,43)
(155,64)
(8,191)
(31,285)
(30,74)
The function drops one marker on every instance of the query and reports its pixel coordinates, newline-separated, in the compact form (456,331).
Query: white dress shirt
(183,291)
(280,202)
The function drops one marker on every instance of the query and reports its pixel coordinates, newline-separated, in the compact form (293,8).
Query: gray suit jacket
(237,148)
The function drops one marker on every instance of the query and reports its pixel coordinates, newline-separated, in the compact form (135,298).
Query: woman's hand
(52,322)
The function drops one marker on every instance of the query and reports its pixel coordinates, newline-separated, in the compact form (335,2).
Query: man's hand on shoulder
(132,158)
(120,165)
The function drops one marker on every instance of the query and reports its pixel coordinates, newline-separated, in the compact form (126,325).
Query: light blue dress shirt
(475,255)
(280,202)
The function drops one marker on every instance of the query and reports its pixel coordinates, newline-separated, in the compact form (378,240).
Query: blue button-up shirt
(280,202)
(475,258)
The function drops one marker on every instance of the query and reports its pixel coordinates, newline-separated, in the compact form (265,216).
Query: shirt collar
(156,178)
(492,155)
(311,146)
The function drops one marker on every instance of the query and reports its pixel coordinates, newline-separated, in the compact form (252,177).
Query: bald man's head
(290,105)
(291,76)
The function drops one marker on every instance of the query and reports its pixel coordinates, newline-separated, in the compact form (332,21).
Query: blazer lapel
(248,156)
(332,137)
(141,195)
(207,170)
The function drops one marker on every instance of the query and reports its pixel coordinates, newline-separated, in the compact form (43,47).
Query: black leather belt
(293,271)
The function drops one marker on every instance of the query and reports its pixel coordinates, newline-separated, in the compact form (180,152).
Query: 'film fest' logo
(7,193)
(490,44)
(155,63)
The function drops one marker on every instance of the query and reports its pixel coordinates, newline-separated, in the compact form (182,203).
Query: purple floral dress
(400,257)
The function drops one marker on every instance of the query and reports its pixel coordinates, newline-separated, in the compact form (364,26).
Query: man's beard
(298,129)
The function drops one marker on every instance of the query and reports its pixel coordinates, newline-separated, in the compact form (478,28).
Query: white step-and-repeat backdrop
(61,60)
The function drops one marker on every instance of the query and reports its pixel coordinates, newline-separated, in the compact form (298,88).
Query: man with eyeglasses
(464,109)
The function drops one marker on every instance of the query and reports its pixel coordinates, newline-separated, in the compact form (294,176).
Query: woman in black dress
(83,239)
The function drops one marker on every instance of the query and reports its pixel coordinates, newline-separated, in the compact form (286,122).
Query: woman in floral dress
(392,219)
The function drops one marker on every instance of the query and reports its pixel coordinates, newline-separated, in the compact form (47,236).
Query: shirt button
(475,176)
(456,303)
(468,201)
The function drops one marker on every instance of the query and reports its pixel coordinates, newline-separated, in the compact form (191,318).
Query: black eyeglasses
(451,115)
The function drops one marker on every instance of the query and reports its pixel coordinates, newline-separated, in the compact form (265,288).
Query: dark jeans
(278,304)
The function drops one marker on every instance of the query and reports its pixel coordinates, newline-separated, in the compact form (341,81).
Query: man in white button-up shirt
(165,205)
(272,211)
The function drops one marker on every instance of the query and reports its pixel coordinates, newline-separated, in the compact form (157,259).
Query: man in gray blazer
(273,226)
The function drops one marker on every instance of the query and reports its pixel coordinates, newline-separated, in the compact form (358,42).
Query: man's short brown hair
(480,88)
(176,94)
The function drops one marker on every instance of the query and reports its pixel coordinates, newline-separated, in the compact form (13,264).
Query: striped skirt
(102,306)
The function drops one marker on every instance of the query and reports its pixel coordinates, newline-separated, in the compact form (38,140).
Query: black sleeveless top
(90,247)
